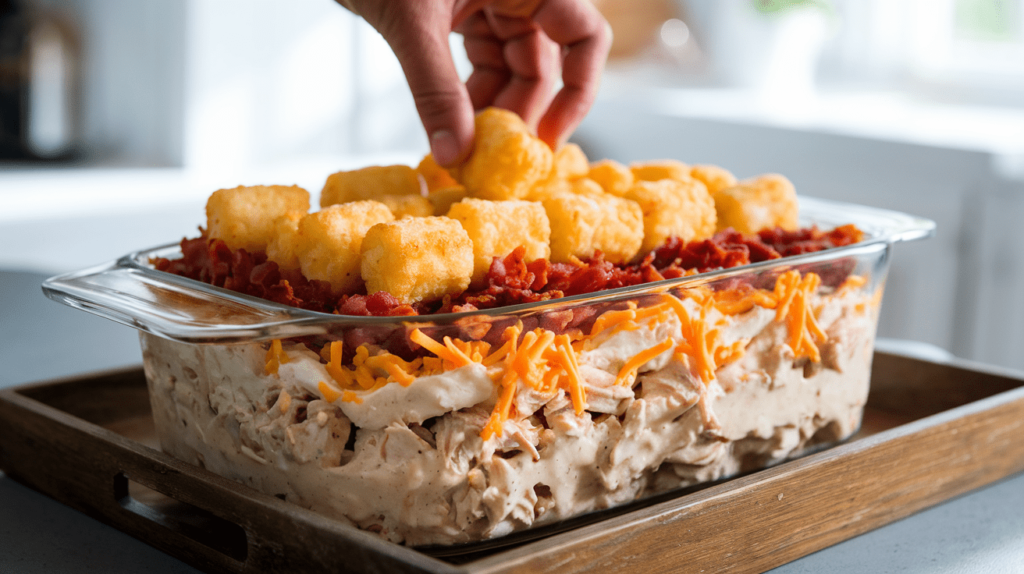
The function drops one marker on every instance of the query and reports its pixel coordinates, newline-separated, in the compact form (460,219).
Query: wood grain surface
(931,432)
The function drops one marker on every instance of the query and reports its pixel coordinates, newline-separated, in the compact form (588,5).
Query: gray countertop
(982,531)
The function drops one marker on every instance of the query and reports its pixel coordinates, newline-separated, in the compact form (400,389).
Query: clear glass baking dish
(663,385)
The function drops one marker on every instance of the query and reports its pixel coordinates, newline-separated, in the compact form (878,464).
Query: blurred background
(119,117)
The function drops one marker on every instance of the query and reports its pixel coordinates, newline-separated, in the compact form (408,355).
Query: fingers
(586,37)
(533,61)
(515,50)
(514,65)
(418,35)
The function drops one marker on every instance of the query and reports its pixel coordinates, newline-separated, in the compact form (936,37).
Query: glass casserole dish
(462,427)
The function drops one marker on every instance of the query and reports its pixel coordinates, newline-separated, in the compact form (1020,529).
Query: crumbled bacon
(511,280)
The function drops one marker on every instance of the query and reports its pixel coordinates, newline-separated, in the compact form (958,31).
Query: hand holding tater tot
(516,47)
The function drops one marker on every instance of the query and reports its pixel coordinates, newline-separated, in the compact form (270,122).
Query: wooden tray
(931,432)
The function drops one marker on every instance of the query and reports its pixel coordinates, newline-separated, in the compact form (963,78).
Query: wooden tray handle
(147,500)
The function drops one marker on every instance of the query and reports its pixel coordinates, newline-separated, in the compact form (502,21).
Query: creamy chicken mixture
(411,462)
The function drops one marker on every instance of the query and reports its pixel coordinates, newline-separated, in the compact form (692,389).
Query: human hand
(517,48)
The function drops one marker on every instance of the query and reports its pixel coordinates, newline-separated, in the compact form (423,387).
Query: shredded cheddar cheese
(329,393)
(275,357)
(628,371)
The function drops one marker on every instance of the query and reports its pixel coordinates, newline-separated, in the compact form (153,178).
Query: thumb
(441,98)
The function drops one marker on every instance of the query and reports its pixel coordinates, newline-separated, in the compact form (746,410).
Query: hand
(517,48)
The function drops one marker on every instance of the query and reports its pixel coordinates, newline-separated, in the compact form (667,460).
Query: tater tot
(547,188)
(715,178)
(656,170)
(330,239)
(243,217)
(764,202)
(507,160)
(408,205)
(587,186)
(498,227)
(415,259)
(570,162)
(370,183)
(612,176)
(435,176)
(442,199)
(581,225)
(673,208)
(283,246)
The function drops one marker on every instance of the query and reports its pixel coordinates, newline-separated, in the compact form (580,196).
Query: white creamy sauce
(424,398)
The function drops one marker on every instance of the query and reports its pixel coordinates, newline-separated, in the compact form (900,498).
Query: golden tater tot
(570,162)
(435,176)
(243,217)
(587,186)
(547,188)
(507,160)
(418,258)
(673,208)
(764,202)
(283,246)
(330,240)
(498,227)
(370,183)
(656,170)
(612,176)
(408,205)
(581,224)
(715,178)
(443,199)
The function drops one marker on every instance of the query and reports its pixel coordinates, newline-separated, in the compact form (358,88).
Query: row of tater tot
(420,233)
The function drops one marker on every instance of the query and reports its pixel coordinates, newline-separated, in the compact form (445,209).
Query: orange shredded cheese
(572,369)
(501,410)
(275,357)
(446,352)
(340,374)
(284,401)
(329,393)
(350,397)
(852,282)
(628,371)
(795,310)
(610,318)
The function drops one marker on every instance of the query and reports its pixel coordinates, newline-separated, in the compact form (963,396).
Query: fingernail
(444,147)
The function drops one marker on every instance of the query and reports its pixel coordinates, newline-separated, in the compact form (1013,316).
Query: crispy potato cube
(764,202)
(570,162)
(612,176)
(330,240)
(582,224)
(283,246)
(415,259)
(408,205)
(435,176)
(715,178)
(507,160)
(673,208)
(370,183)
(659,169)
(243,217)
(587,186)
(443,199)
(498,227)
(547,188)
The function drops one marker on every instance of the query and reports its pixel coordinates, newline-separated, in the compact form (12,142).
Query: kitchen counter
(982,531)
